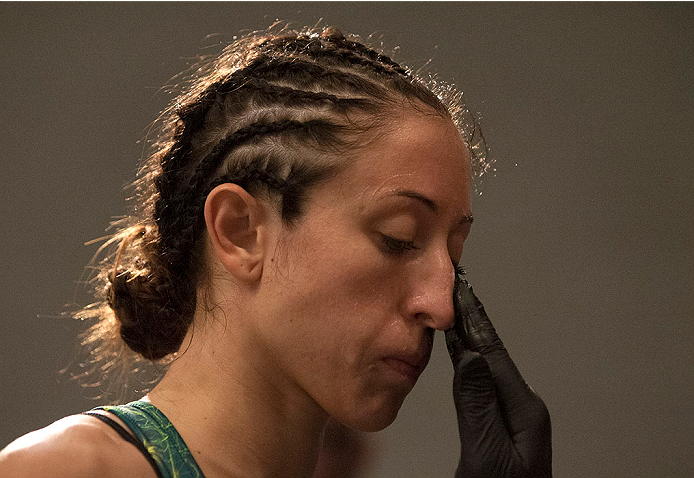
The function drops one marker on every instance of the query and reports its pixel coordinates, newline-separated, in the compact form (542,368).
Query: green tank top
(159,437)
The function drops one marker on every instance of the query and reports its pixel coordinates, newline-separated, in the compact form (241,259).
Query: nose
(431,300)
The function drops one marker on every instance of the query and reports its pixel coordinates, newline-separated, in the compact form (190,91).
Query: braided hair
(276,113)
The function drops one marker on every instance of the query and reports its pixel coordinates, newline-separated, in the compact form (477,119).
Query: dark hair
(276,113)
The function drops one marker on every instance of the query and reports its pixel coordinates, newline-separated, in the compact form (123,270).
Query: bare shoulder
(75,446)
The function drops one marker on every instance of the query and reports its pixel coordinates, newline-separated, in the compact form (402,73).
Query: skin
(327,318)
(76,446)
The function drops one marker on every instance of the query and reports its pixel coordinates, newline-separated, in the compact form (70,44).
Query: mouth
(408,367)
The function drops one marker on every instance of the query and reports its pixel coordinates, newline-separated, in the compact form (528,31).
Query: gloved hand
(504,425)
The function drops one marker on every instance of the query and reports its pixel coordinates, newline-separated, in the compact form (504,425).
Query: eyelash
(396,246)
(459,270)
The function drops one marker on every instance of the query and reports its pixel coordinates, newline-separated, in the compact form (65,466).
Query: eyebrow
(408,193)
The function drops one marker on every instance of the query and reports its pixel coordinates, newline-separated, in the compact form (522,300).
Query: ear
(236,223)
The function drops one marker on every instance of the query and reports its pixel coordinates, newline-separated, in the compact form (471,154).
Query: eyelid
(406,226)
(396,246)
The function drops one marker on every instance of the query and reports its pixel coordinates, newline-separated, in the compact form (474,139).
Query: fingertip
(462,292)
(461,280)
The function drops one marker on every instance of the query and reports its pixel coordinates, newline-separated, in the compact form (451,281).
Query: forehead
(422,153)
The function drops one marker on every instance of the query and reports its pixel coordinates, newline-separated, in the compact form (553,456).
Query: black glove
(504,425)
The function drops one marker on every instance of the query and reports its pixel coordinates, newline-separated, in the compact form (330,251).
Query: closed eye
(396,246)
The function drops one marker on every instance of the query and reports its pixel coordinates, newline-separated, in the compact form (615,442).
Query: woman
(293,250)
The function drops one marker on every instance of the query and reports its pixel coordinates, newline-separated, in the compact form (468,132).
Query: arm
(504,425)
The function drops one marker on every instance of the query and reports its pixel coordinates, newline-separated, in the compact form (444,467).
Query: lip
(409,367)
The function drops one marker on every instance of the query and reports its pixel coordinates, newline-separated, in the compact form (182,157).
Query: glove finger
(455,346)
(486,446)
(479,335)
(519,403)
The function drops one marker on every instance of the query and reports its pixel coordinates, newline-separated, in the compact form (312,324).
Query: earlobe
(235,222)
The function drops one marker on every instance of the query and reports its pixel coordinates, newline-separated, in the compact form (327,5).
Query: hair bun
(332,32)
(148,325)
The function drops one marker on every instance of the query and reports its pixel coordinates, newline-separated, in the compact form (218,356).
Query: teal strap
(159,437)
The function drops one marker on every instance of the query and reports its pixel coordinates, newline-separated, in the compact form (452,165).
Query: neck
(238,415)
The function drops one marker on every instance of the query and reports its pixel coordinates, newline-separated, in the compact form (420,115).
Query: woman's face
(367,274)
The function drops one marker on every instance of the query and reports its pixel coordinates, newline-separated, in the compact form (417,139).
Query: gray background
(582,251)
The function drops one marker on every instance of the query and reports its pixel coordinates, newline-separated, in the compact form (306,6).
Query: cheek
(354,274)
(342,293)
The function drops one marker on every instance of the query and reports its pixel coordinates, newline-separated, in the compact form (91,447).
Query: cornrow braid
(372,54)
(288,96)
(253,132)
(306,73)
(290,188)
(267,68)
(350,57)
(403,83)
(254,172)
(328,45)
(345,53)
(264,64)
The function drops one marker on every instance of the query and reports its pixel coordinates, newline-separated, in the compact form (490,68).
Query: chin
(376,425)
(373,417)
